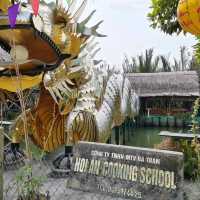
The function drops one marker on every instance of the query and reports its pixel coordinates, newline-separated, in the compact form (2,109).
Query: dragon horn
(99,34)
(96,62)
(80,10)
(94,30)
(85,21)
(95,27)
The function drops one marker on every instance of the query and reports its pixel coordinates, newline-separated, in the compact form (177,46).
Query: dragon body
(79,99)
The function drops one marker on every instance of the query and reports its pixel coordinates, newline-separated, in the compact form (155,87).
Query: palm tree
(166,65)
(185,62)
(129,66)
(144,63)
(147,63)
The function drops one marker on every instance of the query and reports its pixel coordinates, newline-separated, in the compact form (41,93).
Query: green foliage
(144,63)
(37,153)
(186,116)
(195,123)
(166,65)
(191,150)
(191,162)
(163,15)
(197,50)
(28,185)
(148,62)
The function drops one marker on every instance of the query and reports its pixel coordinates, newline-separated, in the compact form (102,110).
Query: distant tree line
(148,63)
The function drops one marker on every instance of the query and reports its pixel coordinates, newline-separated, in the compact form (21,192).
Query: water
(142,136)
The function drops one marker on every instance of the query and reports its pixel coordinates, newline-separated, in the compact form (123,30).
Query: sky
(128,31)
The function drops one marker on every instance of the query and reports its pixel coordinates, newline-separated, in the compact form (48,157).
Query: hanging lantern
(35,6)
(12,13)
(188,14)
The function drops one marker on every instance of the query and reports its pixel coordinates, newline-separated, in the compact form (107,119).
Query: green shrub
(191,149)
(28,186)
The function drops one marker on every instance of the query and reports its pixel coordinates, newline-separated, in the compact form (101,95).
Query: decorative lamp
(188,14)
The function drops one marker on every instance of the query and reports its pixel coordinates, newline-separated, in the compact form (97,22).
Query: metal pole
(1,160)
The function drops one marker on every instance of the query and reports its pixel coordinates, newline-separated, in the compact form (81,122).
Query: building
(166,93)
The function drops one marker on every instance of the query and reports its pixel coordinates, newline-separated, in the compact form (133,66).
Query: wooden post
(124,133)
(1,160)
(109,140)
(117,136)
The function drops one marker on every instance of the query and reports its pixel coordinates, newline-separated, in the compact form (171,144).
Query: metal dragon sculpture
(79,99)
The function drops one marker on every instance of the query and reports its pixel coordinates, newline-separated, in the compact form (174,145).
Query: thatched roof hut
(180,84)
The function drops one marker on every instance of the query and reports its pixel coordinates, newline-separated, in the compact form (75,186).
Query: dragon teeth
(53,95)
(69,81)
(57,92)
(63,89)
(66,86)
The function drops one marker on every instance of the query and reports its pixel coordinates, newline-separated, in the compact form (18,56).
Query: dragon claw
(13,157)
(62,164)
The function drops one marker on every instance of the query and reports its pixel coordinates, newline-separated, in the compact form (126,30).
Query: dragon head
(64,82)
(54,47)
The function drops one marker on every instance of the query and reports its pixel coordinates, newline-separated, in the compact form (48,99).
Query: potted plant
(156,120)
(180,119)
(187,119)
(148,120)
(28,186)
(171,121)
(163,121)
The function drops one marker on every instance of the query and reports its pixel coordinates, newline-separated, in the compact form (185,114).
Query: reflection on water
(141,136)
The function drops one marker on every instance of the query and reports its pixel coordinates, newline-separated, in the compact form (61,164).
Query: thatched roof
(165,83)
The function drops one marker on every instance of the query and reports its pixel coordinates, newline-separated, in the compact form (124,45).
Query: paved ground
(58,191)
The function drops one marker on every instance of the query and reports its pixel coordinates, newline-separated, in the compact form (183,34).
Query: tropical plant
(197,50)
(191,170)
(148,63)
(28,186)
(163,15)
(165,64)
(183,63)
(191,150)
(129,66)
(144,63)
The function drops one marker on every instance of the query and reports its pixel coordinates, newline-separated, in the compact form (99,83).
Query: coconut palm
(144,63)
(184,63)
(129,66)
(165,64)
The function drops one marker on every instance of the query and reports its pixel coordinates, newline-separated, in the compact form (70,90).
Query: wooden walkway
(178,136)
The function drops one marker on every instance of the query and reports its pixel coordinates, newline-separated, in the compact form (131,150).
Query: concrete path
(58,191)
